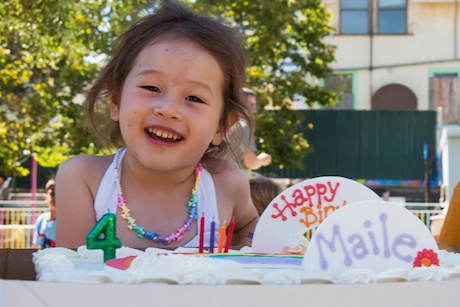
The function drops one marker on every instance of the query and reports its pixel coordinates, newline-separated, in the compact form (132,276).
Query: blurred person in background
(251,160)
(45,225)
(263,191)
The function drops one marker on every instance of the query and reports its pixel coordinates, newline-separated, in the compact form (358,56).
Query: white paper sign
(375,235)
(303,207)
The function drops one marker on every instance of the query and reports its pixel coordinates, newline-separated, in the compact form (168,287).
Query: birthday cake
(357,238)
(155,266)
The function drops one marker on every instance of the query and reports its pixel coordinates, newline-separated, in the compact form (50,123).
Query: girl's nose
(168,108)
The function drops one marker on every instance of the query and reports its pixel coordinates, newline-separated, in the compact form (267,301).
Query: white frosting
(282,277)
(158,266)
(296,246)
(432,273)
(357,276)
(85,253)
(397,275)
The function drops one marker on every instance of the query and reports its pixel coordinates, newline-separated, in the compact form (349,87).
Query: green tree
(48,57)
(46,52)
(287,54)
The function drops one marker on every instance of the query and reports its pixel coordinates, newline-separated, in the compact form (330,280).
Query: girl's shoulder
(82,172)
(87,167)
(218,166)
(87,162)
(226,172)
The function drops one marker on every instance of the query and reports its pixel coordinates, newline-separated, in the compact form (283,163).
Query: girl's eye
(151,88)
(195,99)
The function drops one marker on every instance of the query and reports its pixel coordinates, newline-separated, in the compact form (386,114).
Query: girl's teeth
(164,135)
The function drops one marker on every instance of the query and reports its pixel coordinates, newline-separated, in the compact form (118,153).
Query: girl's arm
(243,236)
(234,192)
(246,216)
(76,182)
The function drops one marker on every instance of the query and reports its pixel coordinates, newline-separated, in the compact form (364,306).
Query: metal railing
(425,211)
(17,221)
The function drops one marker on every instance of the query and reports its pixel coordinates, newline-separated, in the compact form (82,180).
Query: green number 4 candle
(102,236)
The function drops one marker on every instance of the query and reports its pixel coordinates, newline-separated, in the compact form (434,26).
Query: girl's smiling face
(171,104)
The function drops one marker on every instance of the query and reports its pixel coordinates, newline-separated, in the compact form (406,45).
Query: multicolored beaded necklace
(141,232)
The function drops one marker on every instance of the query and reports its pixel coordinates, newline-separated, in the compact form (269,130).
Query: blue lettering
(359,250)
(331,244)
(403,240)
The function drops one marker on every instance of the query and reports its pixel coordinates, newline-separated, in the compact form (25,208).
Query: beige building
(401,54)
(397,54)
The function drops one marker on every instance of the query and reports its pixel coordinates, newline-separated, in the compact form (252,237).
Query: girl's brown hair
(172,20)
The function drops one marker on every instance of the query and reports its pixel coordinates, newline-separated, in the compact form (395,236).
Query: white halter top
(106,199)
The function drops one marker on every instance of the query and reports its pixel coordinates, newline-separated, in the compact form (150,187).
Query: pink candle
(201,246)
(231,226)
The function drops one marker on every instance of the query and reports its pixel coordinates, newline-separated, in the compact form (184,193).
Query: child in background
(45,225)
(263,191)
(169,93)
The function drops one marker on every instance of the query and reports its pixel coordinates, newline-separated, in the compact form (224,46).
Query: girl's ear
(219,136)
(232,119)
(114,108)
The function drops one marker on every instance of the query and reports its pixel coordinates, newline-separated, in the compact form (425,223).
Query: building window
(392,16)
(357,16)
(444,93)
(342,85)
(354,17)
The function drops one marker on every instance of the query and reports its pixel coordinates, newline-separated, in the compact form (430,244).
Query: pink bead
(121,199)
(172,237)
(182,230)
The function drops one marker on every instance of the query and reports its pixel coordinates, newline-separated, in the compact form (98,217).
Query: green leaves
(48,52)
(287,56)
(44,71)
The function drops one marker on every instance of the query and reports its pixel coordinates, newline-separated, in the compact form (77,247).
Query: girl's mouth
(163,135)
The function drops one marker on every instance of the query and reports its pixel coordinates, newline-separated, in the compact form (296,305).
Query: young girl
(172,89)
(45,225)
